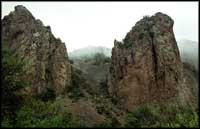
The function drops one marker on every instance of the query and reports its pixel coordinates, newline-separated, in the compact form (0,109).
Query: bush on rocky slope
(155,116)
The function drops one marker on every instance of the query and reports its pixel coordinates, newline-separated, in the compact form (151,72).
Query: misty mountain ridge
(89,51)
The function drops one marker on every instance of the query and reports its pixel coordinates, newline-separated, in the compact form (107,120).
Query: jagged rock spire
(49,68)
(146,66)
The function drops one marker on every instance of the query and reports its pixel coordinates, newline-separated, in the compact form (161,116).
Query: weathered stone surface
(146,66)
(26,36)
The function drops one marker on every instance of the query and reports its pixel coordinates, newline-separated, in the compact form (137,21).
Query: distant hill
(189,51)
(89,51)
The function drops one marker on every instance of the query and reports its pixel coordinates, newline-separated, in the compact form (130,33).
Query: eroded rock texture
(146,66)
(26,36)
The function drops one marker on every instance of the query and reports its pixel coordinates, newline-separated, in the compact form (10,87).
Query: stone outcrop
(146,66)
(47,56)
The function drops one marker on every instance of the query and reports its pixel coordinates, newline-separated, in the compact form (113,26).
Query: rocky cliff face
(27,37)
(146,66)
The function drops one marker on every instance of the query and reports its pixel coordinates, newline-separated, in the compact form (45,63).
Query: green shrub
(187,118)
(167,19)
(107,60)
(49,94)
(99,58)
(143,116)
(37,113)
(71,61)
(109,122)
(6,122)
(146,17)
(75,89)
(127,41)
(155,116)
(141,35)
(104,88)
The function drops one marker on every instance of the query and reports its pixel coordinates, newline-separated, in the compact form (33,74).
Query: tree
(100,58)
(12,71)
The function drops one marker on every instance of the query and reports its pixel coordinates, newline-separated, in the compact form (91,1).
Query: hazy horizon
(82,24)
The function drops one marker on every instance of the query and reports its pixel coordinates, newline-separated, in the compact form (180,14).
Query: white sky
(80,24)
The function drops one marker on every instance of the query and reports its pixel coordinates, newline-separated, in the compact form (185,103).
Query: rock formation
(47,56)
(146,66)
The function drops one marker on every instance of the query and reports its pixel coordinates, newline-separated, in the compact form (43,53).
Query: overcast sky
(81,24)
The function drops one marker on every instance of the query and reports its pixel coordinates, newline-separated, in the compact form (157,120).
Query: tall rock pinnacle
(146,66)
(26,36)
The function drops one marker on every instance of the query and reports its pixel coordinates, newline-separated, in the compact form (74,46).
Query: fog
(80,24)
(189,52)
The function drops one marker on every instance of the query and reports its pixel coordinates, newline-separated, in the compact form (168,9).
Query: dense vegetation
(37,113)
(100,58)
(12,81)
(78,82)
(97,59)
(158,116)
